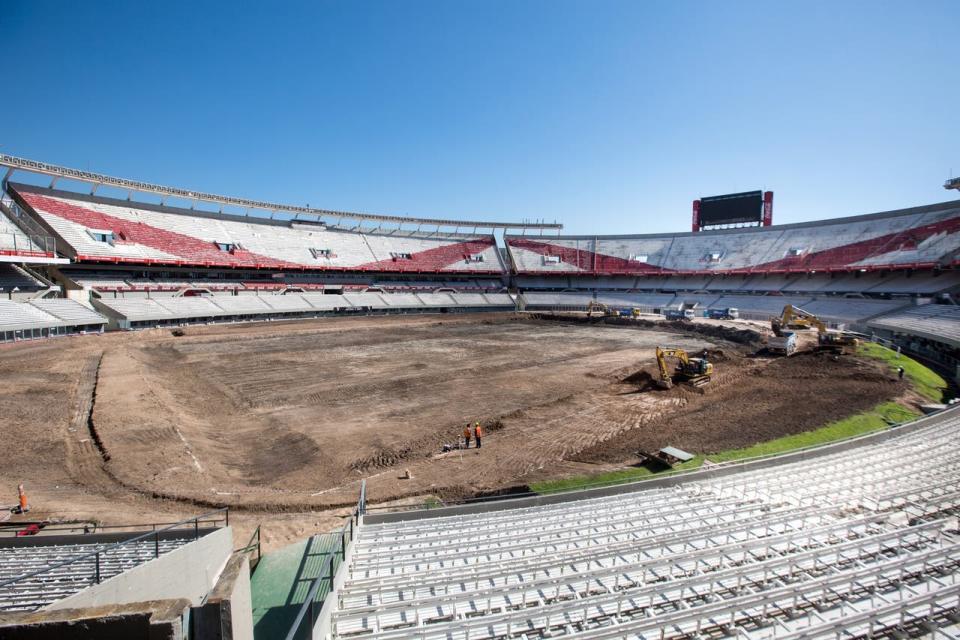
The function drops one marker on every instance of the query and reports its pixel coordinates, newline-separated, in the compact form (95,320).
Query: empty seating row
(920,282)
(938,322)
(34,592)
(13,277)
(46,317)
(186,308)
(809,547)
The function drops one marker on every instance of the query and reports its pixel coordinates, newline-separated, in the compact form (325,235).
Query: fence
(252,545)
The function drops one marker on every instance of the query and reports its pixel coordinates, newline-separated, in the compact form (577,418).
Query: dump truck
(693,371)
(784,345)
(730,313)
(679,314)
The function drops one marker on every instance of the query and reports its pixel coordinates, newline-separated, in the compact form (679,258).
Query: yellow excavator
(602,309)
(694,371)
(796,318)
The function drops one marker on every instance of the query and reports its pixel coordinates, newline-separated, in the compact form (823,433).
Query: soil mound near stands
(767,400)
(282,419)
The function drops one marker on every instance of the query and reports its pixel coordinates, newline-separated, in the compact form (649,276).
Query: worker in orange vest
(466,437)
(24,507)
(477,434)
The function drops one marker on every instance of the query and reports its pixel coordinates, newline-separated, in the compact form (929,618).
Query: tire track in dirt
(86,455)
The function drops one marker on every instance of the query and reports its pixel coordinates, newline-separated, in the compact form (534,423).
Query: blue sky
(607,116)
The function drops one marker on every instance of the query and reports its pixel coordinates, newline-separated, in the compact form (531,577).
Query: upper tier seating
(850,543)
(923,236)
(13,241)
(104,230)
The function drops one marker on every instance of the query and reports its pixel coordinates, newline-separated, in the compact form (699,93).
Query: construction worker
(477,434)
(24,507)
(466,436)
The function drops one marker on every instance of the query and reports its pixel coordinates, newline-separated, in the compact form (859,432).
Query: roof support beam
(13,162)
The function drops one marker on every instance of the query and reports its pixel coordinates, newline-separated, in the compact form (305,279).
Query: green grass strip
(875,419)
(924,380)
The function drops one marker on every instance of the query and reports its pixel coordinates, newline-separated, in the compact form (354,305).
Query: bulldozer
(693,371)
(796,318)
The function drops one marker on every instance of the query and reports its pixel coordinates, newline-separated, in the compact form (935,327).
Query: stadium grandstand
(854,538)
(135,264)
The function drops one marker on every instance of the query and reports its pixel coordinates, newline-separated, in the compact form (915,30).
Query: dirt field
(283,420)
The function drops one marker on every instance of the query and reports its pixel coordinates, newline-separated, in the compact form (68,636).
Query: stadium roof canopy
(13,163)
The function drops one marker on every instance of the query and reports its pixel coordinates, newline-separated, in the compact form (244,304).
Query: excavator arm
(792,316)
(666,380)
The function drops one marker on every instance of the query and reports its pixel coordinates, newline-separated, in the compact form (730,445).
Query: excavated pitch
(291,416)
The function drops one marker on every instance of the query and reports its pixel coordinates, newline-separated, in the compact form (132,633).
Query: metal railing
(252,545)
(34,239)
(307,616)
(97,554)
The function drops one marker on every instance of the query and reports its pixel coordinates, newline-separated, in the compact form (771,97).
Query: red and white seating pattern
(922,237)
(143,235)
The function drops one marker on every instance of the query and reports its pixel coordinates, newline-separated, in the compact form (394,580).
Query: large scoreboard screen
(732,208)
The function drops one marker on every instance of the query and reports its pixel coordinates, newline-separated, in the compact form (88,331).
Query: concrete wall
(227,613)
(187,572)
(158,620)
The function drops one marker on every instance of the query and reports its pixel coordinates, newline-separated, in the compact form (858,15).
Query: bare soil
(281,421)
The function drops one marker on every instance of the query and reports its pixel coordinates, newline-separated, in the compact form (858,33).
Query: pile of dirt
(761,401)
(643,379)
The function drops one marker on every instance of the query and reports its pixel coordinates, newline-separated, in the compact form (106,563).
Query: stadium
(303,377)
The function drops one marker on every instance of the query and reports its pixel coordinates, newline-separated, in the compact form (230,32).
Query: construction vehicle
(679,314)
(602,309)
(694,371)
(795,318)
(785,344)
(730,313)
